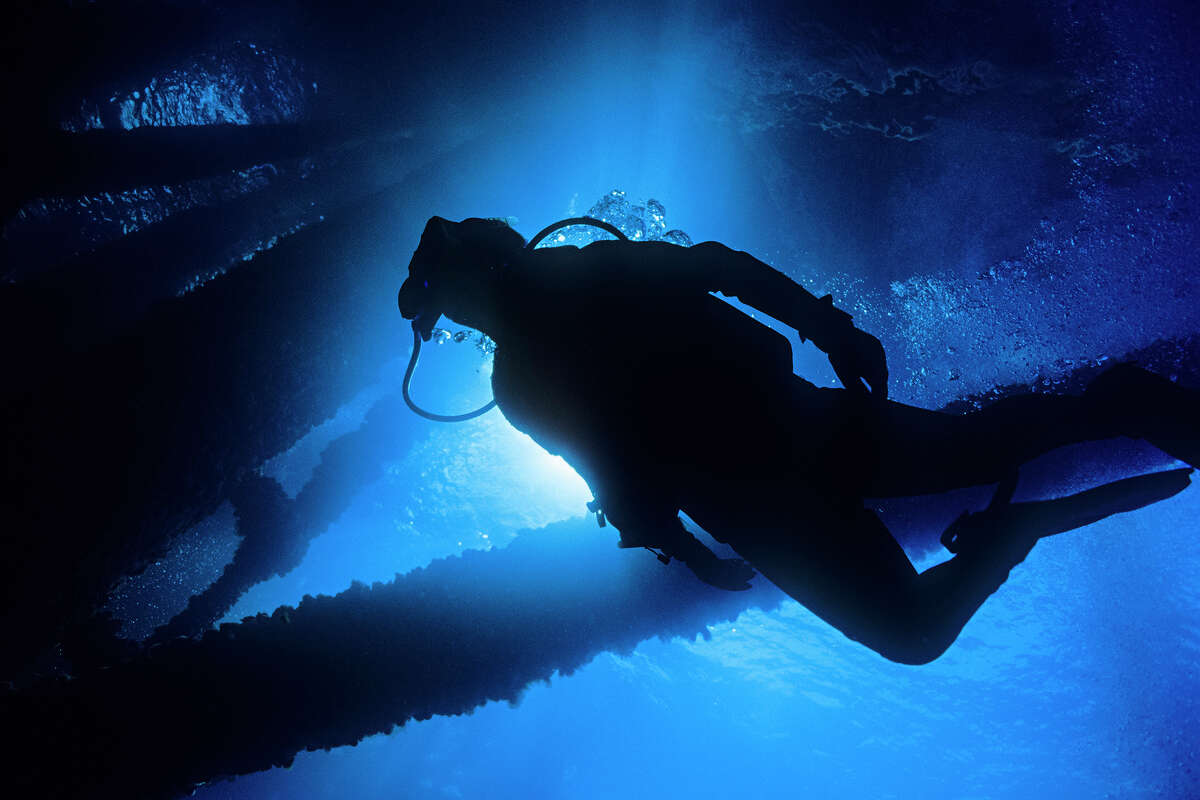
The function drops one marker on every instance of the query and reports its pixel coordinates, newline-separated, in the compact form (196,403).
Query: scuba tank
(416,349)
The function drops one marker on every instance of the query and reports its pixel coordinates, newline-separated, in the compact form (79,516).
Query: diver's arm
(662,529)
(736,273)
(665,269)
(677,542)
(856,356)
(730,574)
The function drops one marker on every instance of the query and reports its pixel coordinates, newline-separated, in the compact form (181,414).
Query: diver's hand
(857,356)
(730,574)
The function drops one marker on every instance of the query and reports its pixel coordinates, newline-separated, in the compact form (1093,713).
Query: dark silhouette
(665,398)
(199,392)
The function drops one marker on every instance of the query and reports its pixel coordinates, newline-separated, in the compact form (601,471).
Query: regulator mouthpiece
(411,302)
(423,325)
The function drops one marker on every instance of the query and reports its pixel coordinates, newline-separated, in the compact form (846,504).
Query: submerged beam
(115,451)
(276,531)
(65,163)
(441,640)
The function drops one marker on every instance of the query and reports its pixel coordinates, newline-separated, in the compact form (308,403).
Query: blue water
(1026,209)
(1078,679)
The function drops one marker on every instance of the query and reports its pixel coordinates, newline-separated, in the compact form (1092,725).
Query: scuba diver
(665,398)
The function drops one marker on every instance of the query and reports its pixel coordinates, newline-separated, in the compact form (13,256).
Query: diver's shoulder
(608,247)
(630,251)
(604,261)
(632,245)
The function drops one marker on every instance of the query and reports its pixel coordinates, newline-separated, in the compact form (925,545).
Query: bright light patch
(485,475)
(550,475)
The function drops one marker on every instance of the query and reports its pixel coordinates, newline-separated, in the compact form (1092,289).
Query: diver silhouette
(665,398)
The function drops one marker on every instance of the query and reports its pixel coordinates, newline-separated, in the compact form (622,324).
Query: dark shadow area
(167,418)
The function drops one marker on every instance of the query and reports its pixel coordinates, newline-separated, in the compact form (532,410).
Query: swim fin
(1036,520)
(1135,402)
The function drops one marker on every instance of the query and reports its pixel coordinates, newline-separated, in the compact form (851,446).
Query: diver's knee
(915,652)
(912,642)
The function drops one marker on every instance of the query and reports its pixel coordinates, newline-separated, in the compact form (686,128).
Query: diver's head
(455,271)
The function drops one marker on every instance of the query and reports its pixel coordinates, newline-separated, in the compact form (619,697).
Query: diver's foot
(1134,402)
(1016,526)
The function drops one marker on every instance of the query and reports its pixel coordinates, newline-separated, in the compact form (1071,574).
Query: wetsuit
(616,357)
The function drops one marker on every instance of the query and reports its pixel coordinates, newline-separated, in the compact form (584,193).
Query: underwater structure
(208,208)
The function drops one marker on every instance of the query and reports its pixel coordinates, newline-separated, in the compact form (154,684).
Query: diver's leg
(921,452)
(896,450)
(1000,537)
(1147,406)
(844,565)
(893,450)
(840,561)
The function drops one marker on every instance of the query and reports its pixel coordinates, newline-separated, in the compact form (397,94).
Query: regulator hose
(416,350)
